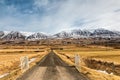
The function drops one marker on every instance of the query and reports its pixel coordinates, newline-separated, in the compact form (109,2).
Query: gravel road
(52,67)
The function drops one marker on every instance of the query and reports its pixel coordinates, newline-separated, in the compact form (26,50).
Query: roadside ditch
(109,67)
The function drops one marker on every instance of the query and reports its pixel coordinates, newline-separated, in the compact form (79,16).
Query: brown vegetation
(101,58)
(10,56)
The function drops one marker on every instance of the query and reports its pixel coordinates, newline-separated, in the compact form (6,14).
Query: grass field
(10,56)
(95,52)
(102,53)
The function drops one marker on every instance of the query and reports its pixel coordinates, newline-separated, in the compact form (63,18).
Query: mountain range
(77,33)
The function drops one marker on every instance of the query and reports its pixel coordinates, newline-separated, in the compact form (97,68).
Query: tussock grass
(10,57)
(97,52)
(14,74)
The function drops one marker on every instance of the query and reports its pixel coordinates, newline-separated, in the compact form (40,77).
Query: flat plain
(10,58)
(98,53)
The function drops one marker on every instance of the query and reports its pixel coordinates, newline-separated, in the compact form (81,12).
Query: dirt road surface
(51,67)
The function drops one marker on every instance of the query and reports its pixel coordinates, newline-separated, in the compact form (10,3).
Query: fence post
(77,61)
(24,63)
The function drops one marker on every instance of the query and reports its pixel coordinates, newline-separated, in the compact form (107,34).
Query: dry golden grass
(95,75)
(21,47)
(11,61)
(14,74)
(10,56)
(99,53)
(105,54)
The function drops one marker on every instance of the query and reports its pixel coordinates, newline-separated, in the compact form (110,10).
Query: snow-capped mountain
(73,34)
(37,36)
(27,33)
(97,33)
(80,34)
(62,34)
(14,35)
(102,33)
(1,34)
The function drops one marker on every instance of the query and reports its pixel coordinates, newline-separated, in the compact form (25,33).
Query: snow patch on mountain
(14,35)
(27,33)
(37,36)
(76,33)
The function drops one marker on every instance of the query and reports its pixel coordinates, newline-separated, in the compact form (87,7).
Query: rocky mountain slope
(37,36)
(1,34)
(13,35)
(97,33)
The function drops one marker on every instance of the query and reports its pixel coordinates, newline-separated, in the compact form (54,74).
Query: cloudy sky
(51,16)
